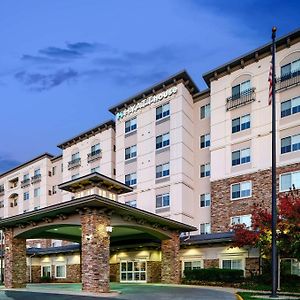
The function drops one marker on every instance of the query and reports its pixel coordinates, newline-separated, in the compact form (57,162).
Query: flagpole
(274,206)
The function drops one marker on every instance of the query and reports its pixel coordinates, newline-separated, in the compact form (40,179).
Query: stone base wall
(223,208)
(114,272)
(153,271)
(211,263)
(35,274)
(252,266)
(44,243)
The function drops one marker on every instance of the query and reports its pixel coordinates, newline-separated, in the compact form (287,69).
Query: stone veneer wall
(252,266)
(211,263)
(45,243)
(153,271)
(35,274)
(114,272)
(222,207)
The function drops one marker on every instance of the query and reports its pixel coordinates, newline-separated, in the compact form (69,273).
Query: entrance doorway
(133,271)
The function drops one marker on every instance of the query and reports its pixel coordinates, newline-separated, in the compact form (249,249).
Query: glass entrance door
(133,271)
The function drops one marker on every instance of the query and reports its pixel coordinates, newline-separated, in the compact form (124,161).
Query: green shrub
(45,279)
(214,274)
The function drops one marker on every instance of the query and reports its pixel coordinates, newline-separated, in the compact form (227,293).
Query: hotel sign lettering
(145,102)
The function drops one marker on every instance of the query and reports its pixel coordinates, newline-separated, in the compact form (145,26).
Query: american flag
(270,79)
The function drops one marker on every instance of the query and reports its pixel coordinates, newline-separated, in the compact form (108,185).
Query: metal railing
(94,155)
(238,100)
(25,182)
(36,178)
(74,163)
(287,80)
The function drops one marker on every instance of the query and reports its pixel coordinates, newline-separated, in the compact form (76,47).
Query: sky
(63,63)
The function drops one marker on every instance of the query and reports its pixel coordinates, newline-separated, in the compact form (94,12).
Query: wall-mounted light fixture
(109,228)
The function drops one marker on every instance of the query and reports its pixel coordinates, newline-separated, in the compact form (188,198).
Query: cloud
(41,82)
(84,47)
(60,53)
(41,59)
(7,164)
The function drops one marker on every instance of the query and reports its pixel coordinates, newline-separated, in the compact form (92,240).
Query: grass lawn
(248,296)
(289,288)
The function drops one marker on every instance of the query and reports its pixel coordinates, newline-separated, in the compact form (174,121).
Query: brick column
(170,262)
(14,261)
(95,242)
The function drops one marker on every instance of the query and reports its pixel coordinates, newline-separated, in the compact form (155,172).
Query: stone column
(170,262)
(95,242)
(14,261)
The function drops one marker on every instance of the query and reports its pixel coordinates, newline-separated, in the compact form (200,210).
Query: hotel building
(201,158)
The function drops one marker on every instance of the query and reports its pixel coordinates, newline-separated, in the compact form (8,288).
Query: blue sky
(64,62)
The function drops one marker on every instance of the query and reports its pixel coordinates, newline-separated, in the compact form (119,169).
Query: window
(232,264)
(289,181)
(62,167)
(130,179)
(192,265)
(205,228)
(26,196)
(163,111)
(130,152)
(60,271)
(205,140)
(290,144)
(130,125)
(37,172)
(96,169)
(26,177)
(240,157)
(240,124)
(45,270)
(205,111)
(245,219)
(163,200)
(241,190)
(205,200)
(53,170)
(290,107)
(290,70)
(95,149)
(75,176)
(131,203)
(205,170)
(240,89)
(54,189)
(37,192)
(162,170)
(75,156)
(162,141)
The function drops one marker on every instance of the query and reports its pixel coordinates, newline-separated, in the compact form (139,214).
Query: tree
(288,228)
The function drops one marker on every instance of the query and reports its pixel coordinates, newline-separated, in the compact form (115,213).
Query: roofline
(56,157)
(181,75)
(46,154)
(89,132)
(201,95)
(254,54)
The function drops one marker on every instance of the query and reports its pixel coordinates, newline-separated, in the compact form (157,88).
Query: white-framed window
(205,111)
(130,125)
(232,264)
(240,124)
(26,176)
(163,200)
(60,271)
(163,111)
(26,196)
(244,219)
(95,149)
(290,144)
(205,140)
(37,172)
(56,243)
(289,181)
(45,270)
(75,176)
(192,264)
(240,157)
(130,152)
(163,141)
(290,107)
(290,70)
(163,170)
(37,192)
(205,170)
(96,169)
(205,200)
(131,179)
(131,203)
(133,271)
(204,228)
(240,89)
(241,190)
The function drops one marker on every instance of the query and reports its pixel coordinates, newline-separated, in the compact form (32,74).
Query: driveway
(128,292)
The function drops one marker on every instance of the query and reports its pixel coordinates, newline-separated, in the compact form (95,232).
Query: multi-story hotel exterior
(201,158)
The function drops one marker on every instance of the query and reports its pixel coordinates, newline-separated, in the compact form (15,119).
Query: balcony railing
(2,192)
(74,163)
(94,155)
(36,178)
(238,100)
(25,182)
(287,80)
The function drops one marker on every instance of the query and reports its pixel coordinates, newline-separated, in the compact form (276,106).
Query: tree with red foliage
(288,228)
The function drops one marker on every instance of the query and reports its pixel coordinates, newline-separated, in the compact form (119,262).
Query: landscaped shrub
(45,279)
(214,274)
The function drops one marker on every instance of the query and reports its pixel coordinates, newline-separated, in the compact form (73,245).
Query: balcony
(94,155)
(75,163)
(287,81)
(25,182)
(1,191)
(36,178)
(241,99)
